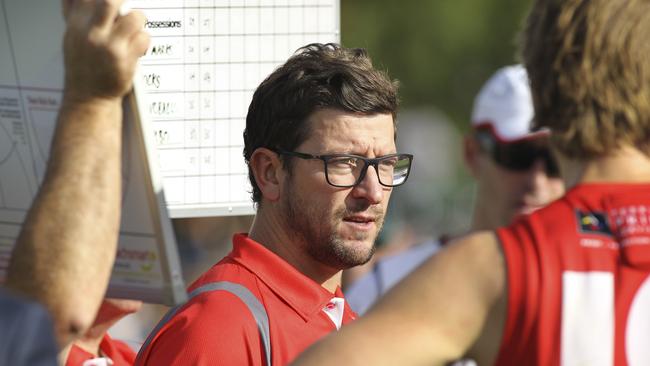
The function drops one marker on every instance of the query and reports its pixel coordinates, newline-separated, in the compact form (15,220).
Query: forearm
(433,317)
(81,193)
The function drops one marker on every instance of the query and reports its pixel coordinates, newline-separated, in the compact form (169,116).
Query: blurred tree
(441,51)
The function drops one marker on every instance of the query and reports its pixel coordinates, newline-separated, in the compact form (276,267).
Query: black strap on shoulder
(254,306)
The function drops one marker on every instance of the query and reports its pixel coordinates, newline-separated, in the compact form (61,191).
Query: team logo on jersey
(593,223)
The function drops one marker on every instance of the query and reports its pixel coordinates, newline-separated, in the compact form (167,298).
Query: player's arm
(433,317)
(110,312)
(65,251)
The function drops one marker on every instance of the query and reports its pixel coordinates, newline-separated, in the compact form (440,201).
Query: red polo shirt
(217,328)
(118,352)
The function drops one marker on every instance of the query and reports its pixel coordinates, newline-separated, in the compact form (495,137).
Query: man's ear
(471,154)
(268,172)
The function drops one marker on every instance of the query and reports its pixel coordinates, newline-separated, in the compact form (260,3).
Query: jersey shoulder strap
(245,295)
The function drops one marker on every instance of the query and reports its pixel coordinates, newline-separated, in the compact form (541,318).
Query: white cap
(505,105)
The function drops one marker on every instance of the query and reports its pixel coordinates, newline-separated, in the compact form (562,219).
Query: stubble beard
(318,234)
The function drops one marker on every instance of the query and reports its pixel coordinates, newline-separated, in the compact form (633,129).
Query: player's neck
(480,219)
(273,233)
(486,215)
(625,165)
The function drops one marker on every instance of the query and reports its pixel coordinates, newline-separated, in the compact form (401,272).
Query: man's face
(505,192)
(338,226)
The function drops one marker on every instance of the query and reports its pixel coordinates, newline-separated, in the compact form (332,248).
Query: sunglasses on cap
(520,155)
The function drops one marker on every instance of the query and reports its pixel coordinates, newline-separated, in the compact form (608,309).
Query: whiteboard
(205,61)
(31,83)
(183,132)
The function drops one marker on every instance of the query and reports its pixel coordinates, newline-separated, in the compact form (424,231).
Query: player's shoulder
(481,254)
(17,313)
(210,315)
(221,279)
(478,242)
(220,296)
(223,300)
(211,325)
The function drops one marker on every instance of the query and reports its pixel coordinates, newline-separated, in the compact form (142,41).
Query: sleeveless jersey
(578,280)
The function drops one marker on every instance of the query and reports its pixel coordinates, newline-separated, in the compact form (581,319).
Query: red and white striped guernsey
(578,280)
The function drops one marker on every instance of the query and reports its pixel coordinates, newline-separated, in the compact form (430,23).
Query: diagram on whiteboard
(194,86)
(16,189)
(31,84)
(199,74)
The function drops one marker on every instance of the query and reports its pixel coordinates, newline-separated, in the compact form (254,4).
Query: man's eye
(391,162)
(344,162)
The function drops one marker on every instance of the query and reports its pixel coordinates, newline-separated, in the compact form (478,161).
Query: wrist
(86,99)
(77,103)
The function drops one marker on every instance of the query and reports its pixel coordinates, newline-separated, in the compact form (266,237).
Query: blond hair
(589,66)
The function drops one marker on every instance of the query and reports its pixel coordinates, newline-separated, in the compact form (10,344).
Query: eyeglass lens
(349,170)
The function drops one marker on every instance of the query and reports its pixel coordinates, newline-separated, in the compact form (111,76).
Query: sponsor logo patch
(593,223)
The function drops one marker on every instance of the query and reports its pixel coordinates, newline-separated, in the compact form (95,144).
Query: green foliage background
(440,50)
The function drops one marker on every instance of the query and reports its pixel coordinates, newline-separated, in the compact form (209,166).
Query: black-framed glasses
(519,155)
(347,170)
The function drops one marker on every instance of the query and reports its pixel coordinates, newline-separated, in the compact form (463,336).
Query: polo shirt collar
(300,292)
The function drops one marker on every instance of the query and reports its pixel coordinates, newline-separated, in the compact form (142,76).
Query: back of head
(317,76)
(589,72)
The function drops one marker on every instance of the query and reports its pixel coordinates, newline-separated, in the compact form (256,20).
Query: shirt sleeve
(117,351)
(215,328)
(28,334)
(77,356)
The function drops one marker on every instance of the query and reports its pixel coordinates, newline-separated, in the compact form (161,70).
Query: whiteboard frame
(173,285)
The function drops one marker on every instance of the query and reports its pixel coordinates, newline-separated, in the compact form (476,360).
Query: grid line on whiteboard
(204,63)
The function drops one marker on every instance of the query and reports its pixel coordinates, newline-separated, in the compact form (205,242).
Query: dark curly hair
(317,76)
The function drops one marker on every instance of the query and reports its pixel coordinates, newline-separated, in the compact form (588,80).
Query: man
(569,284)
(514,171)
(65,252)
(320,147)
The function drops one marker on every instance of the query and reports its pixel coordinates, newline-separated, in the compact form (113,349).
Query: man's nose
(369,187)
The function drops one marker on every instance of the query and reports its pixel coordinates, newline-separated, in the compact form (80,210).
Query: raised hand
(101,48)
